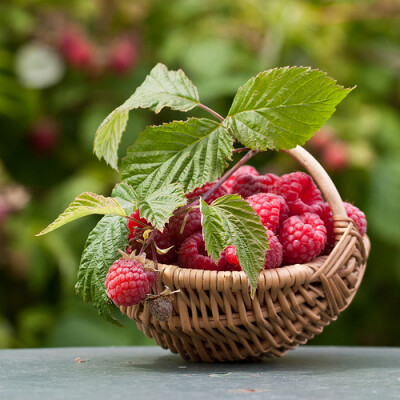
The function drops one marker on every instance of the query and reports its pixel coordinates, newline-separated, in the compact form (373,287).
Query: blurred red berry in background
(44,137)
(76,48)
(123,55)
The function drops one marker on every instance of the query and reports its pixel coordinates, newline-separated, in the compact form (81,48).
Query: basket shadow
(306,361)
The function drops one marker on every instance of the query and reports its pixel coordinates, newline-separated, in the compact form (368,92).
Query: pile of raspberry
(297,220)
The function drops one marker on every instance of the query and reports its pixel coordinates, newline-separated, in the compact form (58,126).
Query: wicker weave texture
(214,318)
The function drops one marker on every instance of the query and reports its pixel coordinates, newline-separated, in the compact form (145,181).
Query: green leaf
(230,220)
(161,88)
(190,152)
(110,234)
(126,196)
(157,207)
(86,203)
(282,108)
(108,137)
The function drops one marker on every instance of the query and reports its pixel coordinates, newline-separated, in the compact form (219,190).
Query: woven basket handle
(322,179)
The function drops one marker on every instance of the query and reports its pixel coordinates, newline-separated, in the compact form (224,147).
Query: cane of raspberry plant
(164,168)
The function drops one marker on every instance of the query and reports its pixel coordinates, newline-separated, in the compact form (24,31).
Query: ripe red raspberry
(193,254)
(230,255)
(134,227)
(273,256)
(192,224)
(247,185)
(298,207)
(303,238)
(228,260)
(128,283)
(221,191)
(297,188)
(243,170)
(357,216)
(352,212)
(271,208)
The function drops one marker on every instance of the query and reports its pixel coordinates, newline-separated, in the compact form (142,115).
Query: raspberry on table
(128,283)
(221,191)
(271,208)
(193,254)
(246,185)
(192,224)
(298,189)
(303,237)
(243,170)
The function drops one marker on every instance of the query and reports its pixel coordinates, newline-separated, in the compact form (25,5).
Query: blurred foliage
(65,65)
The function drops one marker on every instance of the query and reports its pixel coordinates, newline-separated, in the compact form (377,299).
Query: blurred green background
(65,65)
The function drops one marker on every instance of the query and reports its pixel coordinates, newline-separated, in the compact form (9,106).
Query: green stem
(212,112)
(229,173)
(220,182)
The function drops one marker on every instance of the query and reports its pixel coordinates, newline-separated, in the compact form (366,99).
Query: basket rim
(277,278)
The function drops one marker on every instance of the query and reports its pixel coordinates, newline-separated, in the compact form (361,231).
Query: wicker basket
(215,319)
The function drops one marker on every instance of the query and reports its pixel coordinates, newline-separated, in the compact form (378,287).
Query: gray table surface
(310,372)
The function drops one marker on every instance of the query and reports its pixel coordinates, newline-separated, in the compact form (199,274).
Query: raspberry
(302,237)
(193,254)
(228,260)
(134,227)
(230,255)
(247,185)
(243,170)
(352,212)
(271,208)
(221,191)
(298,207)
(163,241)
(192,224)
(297,188)
(128,283)
(273,256)
(357,216)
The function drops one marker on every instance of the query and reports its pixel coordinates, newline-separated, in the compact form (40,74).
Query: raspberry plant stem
(240,149)
(220,182)
(212,112)
(137,221)
(227,174)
